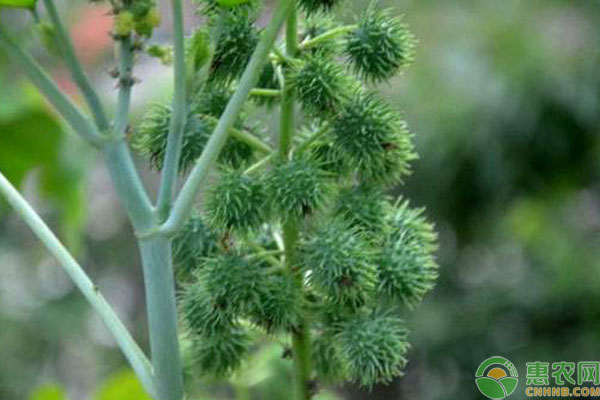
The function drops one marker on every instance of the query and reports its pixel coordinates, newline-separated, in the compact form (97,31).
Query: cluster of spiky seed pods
(363,259)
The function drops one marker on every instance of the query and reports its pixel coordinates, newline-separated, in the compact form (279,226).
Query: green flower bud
(124,23)
(163,53)
(373,139)
(320,84)
(340,264)
(313,6)
(380,46)
(407,269)
(296,188)
(374,347)
(145,25)
(236,202)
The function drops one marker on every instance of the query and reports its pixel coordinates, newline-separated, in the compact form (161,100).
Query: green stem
(125,83)
(162,317)
(301,335)
(307,44)
(184,203)
(129,347)
(178,118)
(265,92)
(243,136)
(74,117)
(65,46)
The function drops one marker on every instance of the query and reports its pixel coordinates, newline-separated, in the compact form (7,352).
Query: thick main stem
(162,317)
(301,335)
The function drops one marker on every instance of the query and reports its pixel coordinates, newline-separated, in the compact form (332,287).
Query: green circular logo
(496,378)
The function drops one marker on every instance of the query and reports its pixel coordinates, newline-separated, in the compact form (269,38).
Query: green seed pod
(197,50)
(214,6)
(296,188)
(124,23)
(237,42)
(328,362)
(380,46)
(204,314)
(407,269)
(279,305)
(191,245)
(313,6)
(320,85)
(212,100)
(220,355)
(150,139)
(374,347)
(363,207)
(236,202)
(373,139)
(340,262)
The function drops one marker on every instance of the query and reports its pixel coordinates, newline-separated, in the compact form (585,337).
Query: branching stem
(342,30)
(184,203)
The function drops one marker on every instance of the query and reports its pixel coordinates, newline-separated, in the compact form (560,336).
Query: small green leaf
(18,3)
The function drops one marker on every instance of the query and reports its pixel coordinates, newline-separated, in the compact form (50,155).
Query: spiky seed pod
(320,85)
(373,347)
(340,264)
(204,314)
(380,46)
(212,100)
(237,42)
(197,50)
(236,202)
(210,7)
(315,25)
(220,355)
(192,244)
(373,139)
(313,6)
(407,269)
(363,207)
(328,362)
(150,139)
(279,305)
(296,188)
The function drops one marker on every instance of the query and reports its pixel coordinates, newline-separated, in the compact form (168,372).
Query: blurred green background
(504,99)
